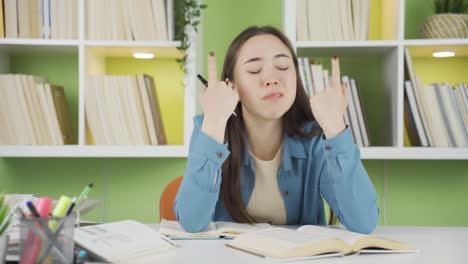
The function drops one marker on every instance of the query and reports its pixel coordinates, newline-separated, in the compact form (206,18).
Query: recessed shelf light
(443,54)
(140,55)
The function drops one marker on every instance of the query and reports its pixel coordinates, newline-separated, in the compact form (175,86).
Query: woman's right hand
(218,101)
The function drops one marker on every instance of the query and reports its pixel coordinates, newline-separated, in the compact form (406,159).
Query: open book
(173,229)
(308,241)
(125,241)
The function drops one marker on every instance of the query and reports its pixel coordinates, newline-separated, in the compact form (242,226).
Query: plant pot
(446,26)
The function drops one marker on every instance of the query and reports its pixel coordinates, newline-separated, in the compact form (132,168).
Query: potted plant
(449,20)
(188,16)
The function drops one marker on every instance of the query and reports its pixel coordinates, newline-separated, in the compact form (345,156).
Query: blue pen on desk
(205,83)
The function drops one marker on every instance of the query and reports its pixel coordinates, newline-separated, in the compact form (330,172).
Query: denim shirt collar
(293,148)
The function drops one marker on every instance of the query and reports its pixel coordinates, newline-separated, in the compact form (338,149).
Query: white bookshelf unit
(90,55)
(391,54)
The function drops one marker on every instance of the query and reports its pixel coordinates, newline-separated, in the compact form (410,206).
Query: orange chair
(166,202)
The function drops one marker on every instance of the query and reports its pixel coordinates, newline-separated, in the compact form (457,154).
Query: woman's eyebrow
(281,55)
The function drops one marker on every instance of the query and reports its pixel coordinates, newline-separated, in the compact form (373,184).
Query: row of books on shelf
(46,19)
(128,20)
(105,19)
(332,19)
(436,115)
(120,110)
(316,78)
(123,110)
(33,112)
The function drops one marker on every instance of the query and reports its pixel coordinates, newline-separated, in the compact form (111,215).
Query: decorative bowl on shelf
(446,26)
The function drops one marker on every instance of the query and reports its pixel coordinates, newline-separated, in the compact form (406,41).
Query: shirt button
(327,148)
(219,154)
(286,193)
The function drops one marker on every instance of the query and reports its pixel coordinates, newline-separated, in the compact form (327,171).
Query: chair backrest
(166,201)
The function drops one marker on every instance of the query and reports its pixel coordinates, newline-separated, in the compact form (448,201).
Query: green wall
(419,192)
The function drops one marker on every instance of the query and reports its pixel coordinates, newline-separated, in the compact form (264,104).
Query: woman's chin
(272,115)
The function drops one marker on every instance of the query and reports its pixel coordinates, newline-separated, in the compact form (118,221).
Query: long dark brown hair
(293,121)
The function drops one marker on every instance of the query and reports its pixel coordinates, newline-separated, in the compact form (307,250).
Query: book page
(175,230)
(283,243)
(116,241)
(288,260)
(357,241)
(288,238)
(232,229)
(328,232)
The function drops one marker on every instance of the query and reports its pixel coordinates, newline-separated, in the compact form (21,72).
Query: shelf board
(123,43)
(75,151)
(347,48)
(67,42)
(39,42)
(347,44)
(38,45)
(179,151)
(434,42)
(413,153)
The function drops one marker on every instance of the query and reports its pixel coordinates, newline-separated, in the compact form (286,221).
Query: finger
(203,89)
(212,70)
(336,75)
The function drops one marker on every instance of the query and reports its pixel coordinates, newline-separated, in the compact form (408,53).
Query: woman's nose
(271,82)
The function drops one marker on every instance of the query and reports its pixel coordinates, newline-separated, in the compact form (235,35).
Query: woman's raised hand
(219,99)
(330,105)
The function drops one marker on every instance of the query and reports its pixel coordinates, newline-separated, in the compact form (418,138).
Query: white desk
(437,245)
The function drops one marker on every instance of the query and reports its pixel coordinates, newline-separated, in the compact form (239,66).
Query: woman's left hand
(329,106)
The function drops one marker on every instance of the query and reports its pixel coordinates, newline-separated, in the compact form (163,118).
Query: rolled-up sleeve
(345,185)
(198,194)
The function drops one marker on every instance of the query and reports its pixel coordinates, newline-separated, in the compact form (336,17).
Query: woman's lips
(272,96)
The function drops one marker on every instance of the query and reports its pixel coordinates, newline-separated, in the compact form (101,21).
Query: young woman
(263,151)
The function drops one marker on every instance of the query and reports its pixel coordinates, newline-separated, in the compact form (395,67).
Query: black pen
(202,80)
(205,83)
(32,208)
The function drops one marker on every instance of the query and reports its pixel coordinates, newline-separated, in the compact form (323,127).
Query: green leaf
(4,228)
(3,212)
(187,17)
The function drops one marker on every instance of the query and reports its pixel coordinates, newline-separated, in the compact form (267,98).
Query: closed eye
(259,70)
(255,72)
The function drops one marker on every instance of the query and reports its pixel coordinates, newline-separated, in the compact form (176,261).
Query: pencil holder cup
(46,240)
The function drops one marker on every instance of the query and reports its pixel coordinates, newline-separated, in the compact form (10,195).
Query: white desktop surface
(437,245)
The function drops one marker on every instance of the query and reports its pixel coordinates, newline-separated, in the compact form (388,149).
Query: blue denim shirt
(312,168)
